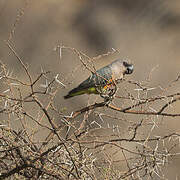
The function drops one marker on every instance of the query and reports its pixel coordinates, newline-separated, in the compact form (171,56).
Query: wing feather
(99,78)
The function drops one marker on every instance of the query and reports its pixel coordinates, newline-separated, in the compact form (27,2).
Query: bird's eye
(125,64)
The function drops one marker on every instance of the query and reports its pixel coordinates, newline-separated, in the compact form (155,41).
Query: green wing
(99,78)
(88,86)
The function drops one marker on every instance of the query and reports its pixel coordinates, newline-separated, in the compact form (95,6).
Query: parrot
(100,81)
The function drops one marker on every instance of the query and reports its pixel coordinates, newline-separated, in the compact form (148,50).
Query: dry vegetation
(77,147)
(83,152)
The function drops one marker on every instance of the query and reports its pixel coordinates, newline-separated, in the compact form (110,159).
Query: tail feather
(67,96)
(75,92)
(79,91)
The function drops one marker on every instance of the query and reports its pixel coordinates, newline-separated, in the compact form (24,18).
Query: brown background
(146,32)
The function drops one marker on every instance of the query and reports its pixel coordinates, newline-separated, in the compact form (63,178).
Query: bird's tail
(79,91)
(75,92)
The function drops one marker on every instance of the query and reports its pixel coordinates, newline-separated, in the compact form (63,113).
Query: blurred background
(145,32)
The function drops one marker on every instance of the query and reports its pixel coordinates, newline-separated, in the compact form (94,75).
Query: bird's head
(121,68)
(129,68)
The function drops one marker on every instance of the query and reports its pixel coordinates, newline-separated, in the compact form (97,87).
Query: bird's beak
(130,69)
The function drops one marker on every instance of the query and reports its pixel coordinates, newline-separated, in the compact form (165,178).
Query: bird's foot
(107,99)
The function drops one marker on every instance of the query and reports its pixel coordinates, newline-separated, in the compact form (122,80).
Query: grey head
(120,68)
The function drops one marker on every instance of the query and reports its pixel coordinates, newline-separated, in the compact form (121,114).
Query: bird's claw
(107,98)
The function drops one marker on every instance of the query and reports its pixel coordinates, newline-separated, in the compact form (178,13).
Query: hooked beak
(130,69)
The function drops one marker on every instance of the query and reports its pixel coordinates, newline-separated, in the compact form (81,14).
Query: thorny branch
(83,152)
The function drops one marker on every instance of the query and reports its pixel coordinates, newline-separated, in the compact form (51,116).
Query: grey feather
(99,78)
(116,71)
